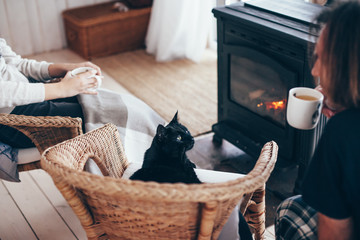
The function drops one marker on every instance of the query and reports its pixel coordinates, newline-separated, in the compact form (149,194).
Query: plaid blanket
(295,220)
(135,120)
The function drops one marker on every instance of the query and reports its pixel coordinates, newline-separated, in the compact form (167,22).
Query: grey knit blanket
(135,120)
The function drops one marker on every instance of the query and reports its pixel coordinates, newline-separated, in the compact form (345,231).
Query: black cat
(166,160)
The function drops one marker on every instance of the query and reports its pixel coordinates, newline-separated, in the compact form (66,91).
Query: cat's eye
(178,138)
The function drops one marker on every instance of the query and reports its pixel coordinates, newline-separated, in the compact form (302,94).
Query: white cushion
(28,155)
(206,176)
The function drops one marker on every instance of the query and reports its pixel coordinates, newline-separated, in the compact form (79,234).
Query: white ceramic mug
(304,107)
(98,78)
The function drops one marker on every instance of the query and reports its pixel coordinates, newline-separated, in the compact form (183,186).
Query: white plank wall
(36,26)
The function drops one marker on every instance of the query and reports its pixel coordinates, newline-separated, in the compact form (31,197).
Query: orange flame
(274,105)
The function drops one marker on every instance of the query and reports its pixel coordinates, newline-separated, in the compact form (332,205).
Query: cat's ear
(175,118)
(160,132)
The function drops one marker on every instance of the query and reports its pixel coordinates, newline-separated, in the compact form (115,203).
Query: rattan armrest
(253,209)
(112,162)
(43,131)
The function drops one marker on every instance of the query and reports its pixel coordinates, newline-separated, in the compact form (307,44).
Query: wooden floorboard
(38,211)
(13,225)
(46,185)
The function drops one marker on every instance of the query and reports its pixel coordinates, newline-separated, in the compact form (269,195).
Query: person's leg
(60,107)
(295,220)
(68,100)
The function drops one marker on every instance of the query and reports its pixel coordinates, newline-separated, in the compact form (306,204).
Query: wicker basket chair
(43,131)
(110,207)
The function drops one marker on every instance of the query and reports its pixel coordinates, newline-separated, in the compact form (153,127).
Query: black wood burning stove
(262,54)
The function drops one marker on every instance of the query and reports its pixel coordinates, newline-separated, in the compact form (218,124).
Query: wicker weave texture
(97,30)
(123,209)
(44,131)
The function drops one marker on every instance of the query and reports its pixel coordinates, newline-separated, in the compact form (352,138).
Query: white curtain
(179,29)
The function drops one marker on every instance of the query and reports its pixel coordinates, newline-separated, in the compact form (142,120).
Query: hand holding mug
(329,109)
(81,70)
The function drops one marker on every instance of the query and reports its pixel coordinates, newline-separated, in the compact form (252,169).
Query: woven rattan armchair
(110,207)
(43,131)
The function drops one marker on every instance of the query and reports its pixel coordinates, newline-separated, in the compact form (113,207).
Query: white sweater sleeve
(30,68)
(15,88)
(20,93)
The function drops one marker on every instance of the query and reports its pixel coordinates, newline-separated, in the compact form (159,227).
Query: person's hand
(60,69)
(80,83)
(329,109)
(71,85)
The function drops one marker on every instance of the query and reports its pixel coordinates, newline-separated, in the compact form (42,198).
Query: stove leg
(299,179)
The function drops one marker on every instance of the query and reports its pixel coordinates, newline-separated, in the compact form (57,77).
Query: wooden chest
(99,30)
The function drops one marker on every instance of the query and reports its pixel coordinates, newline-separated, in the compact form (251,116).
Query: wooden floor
(35,209)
